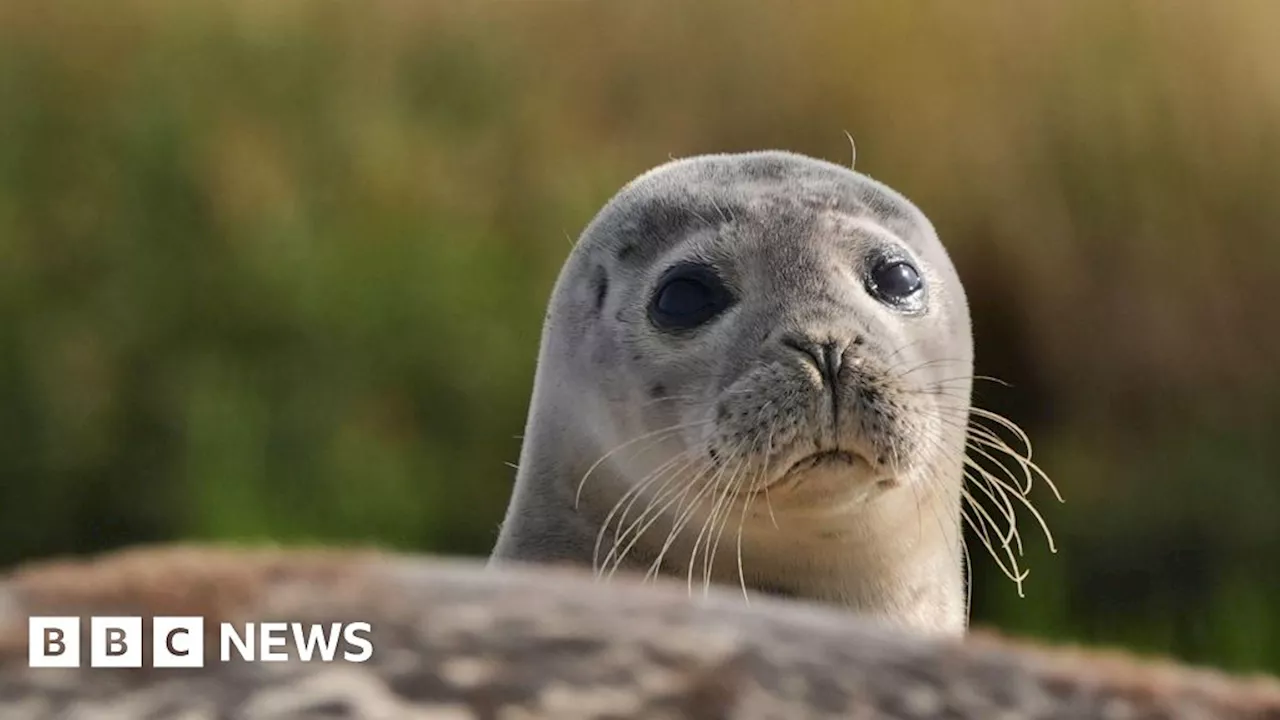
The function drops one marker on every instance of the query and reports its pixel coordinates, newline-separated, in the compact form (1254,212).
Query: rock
(453,640)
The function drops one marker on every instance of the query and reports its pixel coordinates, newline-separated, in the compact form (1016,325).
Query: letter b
(115,642)
(53,642)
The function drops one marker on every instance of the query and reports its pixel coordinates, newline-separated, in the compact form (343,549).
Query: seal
(765,344)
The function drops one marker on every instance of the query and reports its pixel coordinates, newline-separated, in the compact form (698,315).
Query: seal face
(767,344)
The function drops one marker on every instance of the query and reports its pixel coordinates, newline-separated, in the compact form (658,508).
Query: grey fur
(794,239)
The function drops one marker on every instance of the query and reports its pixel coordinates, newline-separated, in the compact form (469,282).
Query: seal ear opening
(602,287)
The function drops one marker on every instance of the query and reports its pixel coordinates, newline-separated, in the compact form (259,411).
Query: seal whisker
(629,497)
(1007,424)
(968,581)
(939,390)
(723,505)
(990,488)
(738,481)
(961,391)
(991,484)
(954,418)
(901,348)
(635,492)
(658,472)
(764,473)
(718,493)
(1010,571)
(1008,493)
(978,445)
(894,454)
(661,488)
(926,364)
(732,489)
(718,496)
(938,394)
(666,398)
(673,480)
(1035,512)
(990,439)
(705,221)
(853,150)
(1007,559)
(896,367)
(986,437)
(935,477)
(670,429)
(742,519)
(661,503)
(979,519)
(969,497)
(1031,469)
(684,515)
(654,513)
(957,378)
(726,217)
(981,438)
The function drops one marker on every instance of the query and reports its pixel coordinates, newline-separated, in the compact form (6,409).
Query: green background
(276,271)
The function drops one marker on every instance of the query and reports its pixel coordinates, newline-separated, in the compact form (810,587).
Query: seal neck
(544,523)
(899,558)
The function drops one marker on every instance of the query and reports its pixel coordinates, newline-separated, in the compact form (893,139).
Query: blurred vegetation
(277,270)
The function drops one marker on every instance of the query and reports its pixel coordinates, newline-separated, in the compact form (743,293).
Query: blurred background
(276,271)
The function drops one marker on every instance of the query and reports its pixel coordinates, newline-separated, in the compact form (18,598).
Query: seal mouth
(822,461)
(835,469)
(825,458)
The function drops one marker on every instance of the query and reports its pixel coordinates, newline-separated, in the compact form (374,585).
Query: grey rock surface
(455,641)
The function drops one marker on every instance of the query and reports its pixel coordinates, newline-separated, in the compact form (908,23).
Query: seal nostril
(809,349)
(827,357)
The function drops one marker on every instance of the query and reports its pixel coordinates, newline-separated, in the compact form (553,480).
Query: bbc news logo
(178,642)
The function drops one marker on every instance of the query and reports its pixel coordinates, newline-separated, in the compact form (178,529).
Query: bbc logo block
(53,642)
(179,642)
(115,642)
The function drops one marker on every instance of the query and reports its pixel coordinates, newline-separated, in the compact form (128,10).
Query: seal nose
(827,356)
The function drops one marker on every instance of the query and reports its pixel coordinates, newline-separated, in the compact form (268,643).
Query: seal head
(766,350)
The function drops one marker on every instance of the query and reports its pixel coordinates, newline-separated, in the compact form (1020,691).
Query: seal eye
(688,296)
(895,281)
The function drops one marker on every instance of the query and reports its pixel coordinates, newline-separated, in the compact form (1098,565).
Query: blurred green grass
(278,270)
